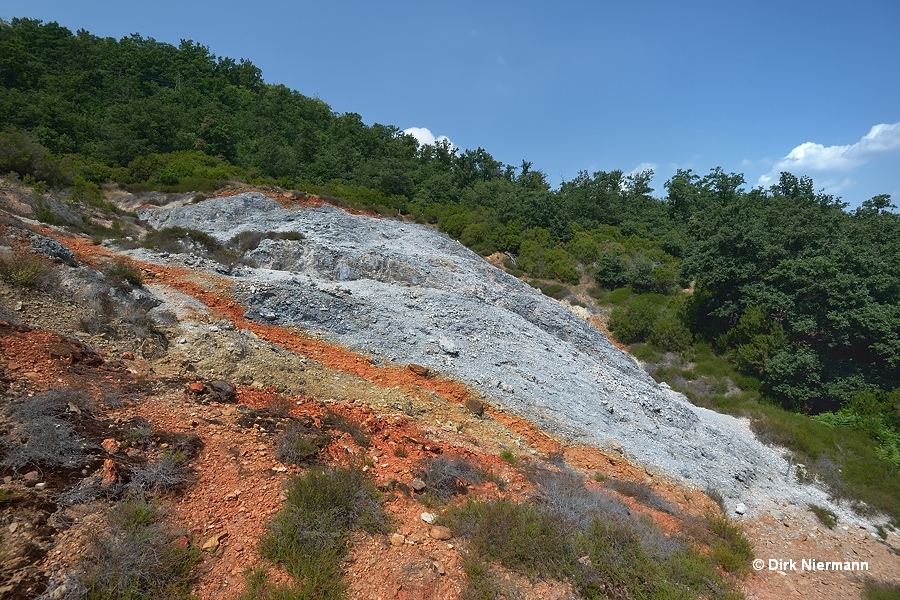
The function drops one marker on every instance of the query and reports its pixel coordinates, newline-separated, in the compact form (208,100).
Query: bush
(122,272)
(827,517)
(728,545)
(22,153)
(446,477)
(40,434)
(299,444)
(309,536)
(87,192)
(246,241)
(641,493)
(878,590)
(46,215)
(167,473)
(651,318)
(139,558)
(593,541)
(341,423)
(22,269)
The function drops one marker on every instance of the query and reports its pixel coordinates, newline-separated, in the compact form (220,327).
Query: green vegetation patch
(825,516)
(299,444)
(880,590)
(309,536)
(570,533)
(137,557)
(22,269)
(123,272)
(333,420)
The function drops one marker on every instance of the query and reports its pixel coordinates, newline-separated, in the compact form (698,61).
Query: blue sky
(756,87)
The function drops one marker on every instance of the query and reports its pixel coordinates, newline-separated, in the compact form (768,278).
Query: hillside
(198,375)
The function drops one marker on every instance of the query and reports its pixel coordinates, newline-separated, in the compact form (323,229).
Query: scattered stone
(195,387)
(438,567)
(398,540)
(224,391)
(476,407)
(212,544)
(110,473)
(418,485)
(418,369)
(110,445)
(31,477)
(448,347)
(429,517)
(741,508)
(439,532)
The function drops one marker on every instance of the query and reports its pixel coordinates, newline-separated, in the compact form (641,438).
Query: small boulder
(110,473)
(439,532)
(224,391)
(418,369)
(212,544)
(476,407)
(417,485)
(195,387)
(741,508)
(448,347)
(398,540)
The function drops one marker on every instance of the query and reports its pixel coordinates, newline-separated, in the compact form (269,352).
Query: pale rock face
(404,293)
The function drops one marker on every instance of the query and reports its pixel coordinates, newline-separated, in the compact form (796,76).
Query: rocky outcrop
(404,293)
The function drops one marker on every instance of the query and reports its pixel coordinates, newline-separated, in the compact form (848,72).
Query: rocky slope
(403,293)
(393,327)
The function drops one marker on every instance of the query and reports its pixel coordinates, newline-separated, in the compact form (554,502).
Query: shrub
(40,434)
(879,590)
(591,540)
(446,477)
(178,240)
(167,473)
(729,547)
(46,215)
(139,558)
(341,423)
(518,536)
(299,444)
(122,272)
(641,493)
(87,192)
(827,517)
(509,456)
(22,269)
(309,536)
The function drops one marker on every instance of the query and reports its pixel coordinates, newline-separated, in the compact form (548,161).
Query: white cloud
(882,139)
(644,166)
(424,136)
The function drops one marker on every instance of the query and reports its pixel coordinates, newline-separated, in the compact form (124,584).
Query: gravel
(404,293)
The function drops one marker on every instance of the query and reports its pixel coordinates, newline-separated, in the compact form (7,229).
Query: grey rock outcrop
(405,293)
